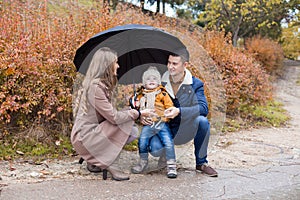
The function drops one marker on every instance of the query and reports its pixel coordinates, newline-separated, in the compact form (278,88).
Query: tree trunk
(235,38)
(164,6)
(236,32)
(157,6)
(143,5)
(106,2)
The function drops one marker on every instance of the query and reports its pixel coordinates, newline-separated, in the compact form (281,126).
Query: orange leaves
(267,52)
(246,82)
(37,48)
(9,71)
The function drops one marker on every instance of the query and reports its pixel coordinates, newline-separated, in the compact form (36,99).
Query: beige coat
(99,136)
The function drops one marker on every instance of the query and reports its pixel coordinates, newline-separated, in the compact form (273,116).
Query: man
(189,119)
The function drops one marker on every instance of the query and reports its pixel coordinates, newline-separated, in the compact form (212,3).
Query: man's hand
(171,112)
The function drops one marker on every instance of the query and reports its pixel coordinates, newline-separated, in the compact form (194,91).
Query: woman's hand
(146,116)
(172,112)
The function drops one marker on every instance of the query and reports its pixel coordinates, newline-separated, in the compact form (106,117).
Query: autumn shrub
(36,71)
(37,46)
(246,82)
(38,41)
(267,52)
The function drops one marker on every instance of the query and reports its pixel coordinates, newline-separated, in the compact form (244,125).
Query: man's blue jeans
(200,141)
(163,134)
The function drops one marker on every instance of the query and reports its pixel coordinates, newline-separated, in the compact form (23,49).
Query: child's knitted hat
(152,71)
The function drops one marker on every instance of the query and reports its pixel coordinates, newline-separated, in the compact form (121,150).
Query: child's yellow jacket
(162,101)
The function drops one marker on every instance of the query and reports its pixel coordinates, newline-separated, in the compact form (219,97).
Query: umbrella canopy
(138,46)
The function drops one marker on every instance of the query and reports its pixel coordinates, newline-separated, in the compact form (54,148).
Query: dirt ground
(266,145)
(243,149)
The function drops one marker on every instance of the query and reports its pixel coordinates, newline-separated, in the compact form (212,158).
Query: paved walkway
(254,164)
(263,182)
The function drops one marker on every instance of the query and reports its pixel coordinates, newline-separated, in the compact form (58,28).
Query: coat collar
(153,90)
(188,80)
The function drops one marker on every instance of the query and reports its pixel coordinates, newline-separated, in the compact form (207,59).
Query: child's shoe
(140,167)
(171,167)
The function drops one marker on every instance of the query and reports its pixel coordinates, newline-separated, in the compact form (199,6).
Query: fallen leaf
(57,142)
(20,152)
(11,168)
(44,172)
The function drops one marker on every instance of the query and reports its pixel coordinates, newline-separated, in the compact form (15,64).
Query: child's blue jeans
(164,133)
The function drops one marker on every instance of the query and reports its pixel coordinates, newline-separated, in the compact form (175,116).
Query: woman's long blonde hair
(101,69)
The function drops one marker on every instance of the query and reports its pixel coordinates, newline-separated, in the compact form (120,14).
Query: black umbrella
(138,46)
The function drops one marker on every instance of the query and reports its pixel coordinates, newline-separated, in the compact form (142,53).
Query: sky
(170,12)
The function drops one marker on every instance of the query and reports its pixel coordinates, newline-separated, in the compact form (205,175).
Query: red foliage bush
(246,83)
(36,51)
(37,47)
(267,52)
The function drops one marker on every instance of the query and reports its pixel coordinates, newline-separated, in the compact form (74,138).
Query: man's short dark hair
(183,53)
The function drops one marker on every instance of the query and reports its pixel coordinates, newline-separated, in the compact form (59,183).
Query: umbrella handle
(133,102)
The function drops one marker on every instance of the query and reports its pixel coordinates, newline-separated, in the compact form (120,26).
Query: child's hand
(146,116)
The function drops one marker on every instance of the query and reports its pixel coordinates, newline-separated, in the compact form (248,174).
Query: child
(152,95)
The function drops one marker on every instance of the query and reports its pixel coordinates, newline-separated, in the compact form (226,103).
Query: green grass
(232,125)
(272,114)
(12,148)
(61,7)
(298,80)
(133,146)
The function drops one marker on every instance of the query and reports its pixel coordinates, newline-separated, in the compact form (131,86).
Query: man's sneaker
(171,167)
(140,167)
(206,169)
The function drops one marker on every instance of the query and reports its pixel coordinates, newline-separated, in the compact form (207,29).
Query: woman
(100,131)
